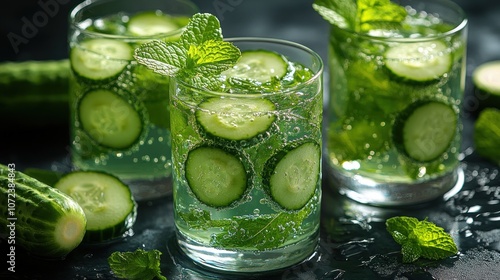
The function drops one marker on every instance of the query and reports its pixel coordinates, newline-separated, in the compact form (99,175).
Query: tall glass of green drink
(397,75)
(247,159)
(119,109)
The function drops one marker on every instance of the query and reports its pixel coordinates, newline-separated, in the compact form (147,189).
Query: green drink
(119,109)
(396,83)
(247,160)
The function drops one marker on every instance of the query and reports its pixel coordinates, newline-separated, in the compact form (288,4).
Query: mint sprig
(262,232)
(361,15)
(420,239)
(140,265)
(199,55)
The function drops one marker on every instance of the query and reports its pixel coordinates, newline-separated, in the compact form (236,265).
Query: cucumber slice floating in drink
(216,177)
(292,175)
(419,61)
(425,130)
(235,119)
(259,65)
(151,23)
(109,119)
(100,59)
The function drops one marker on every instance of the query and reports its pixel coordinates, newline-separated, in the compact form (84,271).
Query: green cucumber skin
(37,208)
(35,92)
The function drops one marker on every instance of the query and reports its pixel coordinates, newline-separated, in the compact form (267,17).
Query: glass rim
(89,3)
(456,28)
(316,74)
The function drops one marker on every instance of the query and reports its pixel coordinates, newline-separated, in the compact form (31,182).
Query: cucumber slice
(100,59)
(106,201)
(258,65)
(292,175)
(109,119)
(486,79)
(425,130)
(235,119)
(216,177)
(151,23)
(420,62)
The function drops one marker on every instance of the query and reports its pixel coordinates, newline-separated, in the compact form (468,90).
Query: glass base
(381,193)
(248,261)
(145,189)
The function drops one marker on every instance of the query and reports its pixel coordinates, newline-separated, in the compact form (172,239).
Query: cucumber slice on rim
(216,177)
(109,119)
(292,175)
(425,130)
(106,201)
(258,65)
(151,23)
(100,59)
(235,119)
(419,61)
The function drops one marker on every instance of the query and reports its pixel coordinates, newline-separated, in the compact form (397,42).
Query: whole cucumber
(43,220)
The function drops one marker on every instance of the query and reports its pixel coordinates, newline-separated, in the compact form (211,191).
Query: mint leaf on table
(361,15)
(420,239)
(137,265)
(262,232)
(200,54)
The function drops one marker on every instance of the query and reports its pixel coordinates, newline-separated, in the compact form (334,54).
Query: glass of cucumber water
(393,131)
(120,120)
(247,159)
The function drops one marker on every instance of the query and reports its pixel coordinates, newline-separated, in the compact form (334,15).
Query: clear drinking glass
(119,109)
(247,166)
(393,131)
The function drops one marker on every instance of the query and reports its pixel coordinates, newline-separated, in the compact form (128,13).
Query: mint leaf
(199,56)
(372,14)
(165,58)
(141,264)
(361,15)
(262,232)
(341,13)
(420,239)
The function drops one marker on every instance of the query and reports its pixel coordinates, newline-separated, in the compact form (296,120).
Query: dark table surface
(354,243)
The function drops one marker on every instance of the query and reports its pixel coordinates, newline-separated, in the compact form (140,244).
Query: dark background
(354,242)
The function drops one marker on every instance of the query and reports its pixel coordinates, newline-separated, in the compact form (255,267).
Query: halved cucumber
(151,23)
(425,130)
(292,175)
(258,65)
(109,119)
(486,79)
(216,177)
(419,61)
(106,201)
(100,59)
(235,119)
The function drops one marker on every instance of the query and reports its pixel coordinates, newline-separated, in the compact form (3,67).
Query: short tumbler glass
(393,130)
(227,215)
(119,109)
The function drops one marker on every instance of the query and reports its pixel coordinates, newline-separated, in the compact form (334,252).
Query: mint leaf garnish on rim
(200,54)
(140,265)
(361,15)
(420,239)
